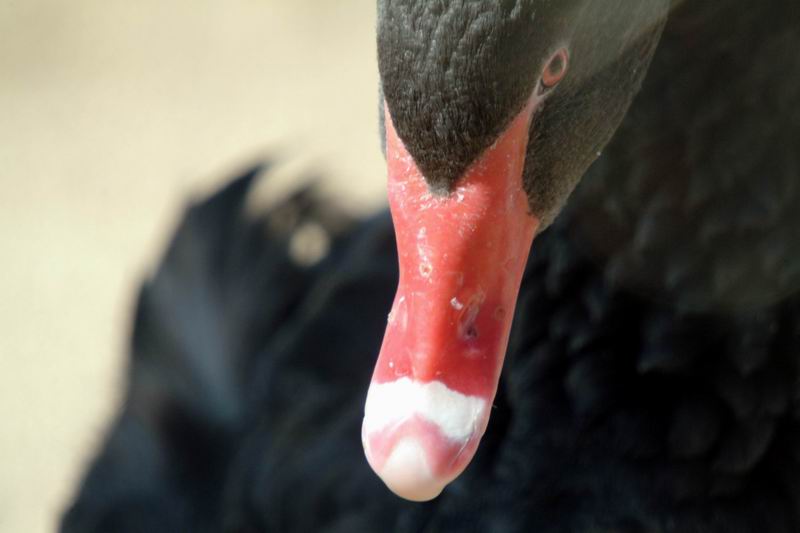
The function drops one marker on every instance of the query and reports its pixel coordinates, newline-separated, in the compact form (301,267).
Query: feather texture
(651,382)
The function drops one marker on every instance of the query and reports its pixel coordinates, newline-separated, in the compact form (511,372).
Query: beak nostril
(466,326)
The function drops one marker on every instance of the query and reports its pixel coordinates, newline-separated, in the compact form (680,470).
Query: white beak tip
(407,474)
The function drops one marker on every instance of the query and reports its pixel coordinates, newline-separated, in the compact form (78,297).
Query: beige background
(112,114)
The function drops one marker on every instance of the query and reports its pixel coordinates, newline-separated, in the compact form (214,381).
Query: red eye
(555,69)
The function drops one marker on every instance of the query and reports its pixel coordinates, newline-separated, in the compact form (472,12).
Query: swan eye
(556,69)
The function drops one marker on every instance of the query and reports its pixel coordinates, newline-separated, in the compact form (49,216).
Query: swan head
(492,112)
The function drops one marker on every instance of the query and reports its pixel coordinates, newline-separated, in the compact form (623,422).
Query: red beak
(461,261)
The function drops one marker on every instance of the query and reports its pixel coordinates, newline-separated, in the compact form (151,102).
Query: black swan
(651,379)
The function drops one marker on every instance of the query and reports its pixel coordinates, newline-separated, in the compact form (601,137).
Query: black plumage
(651,381)
(454,73)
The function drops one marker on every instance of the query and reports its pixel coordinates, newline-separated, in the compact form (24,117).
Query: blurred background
(114,114)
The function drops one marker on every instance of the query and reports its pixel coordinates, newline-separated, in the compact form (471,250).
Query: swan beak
(461,257)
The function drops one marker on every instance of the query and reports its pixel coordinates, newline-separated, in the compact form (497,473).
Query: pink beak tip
(406,472)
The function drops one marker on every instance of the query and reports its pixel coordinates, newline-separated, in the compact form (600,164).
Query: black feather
(652,381)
